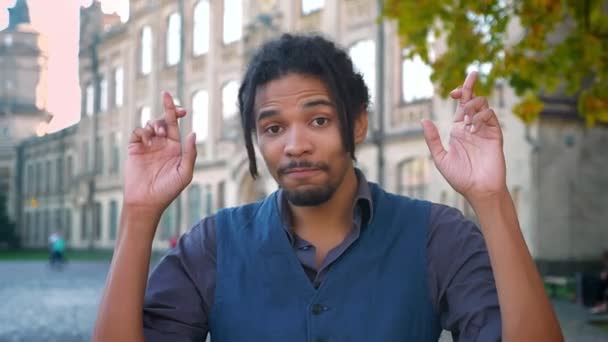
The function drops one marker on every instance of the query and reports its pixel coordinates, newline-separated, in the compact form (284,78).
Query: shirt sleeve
(461,281)
(180,290)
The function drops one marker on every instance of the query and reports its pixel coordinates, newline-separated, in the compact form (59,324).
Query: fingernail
(149,142)
(161,130)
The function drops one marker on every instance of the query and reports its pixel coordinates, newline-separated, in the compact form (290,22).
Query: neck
(331,220)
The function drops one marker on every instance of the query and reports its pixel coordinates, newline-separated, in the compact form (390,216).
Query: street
(41,304)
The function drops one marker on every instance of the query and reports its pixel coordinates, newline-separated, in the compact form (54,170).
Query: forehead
(290,88)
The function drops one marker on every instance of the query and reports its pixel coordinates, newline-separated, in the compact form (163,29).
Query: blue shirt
(181,289)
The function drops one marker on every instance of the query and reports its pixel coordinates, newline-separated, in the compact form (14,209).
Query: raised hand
(158,167)
(474,163)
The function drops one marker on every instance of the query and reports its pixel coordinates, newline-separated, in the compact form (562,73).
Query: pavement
(38,303)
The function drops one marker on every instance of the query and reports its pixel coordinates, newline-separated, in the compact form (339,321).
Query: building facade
(197,50)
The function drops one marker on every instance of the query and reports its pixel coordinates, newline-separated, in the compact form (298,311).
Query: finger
(135,136)
(476,105)
(468,87)
(189,157)
(433,141)
(170,117)
(456,93)
(142,135)
(160,128)
(180,112)
(486,117)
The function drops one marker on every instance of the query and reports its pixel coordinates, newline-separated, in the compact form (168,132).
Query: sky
(58,22)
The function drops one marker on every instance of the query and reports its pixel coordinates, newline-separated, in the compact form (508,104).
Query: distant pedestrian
(57,249)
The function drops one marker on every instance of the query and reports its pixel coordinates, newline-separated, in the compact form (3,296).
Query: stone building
(125,66)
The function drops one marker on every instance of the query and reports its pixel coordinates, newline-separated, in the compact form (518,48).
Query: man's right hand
(157,167)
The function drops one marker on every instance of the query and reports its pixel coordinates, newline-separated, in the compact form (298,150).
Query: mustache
(302,164)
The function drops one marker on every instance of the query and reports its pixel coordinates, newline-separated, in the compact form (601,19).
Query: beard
(310,197)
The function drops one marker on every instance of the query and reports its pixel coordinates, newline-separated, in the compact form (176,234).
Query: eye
(320,122)
(273,130)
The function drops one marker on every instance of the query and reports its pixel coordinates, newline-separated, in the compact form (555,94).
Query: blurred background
(77,76)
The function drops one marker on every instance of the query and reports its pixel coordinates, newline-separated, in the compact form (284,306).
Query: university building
(198,50)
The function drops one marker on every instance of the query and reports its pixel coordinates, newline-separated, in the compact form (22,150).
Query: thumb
(433,140)
(189,154)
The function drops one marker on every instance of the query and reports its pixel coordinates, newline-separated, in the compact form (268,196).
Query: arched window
(230,93)
(309,6)
(173,45)
(414,177)
(415,80)
(233,20)
(200,115)
(145,63)
(363,54)
(200,43)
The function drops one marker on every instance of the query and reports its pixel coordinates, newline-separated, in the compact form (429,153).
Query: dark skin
(296,120)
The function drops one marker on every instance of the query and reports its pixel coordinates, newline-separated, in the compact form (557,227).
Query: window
(233,20)
(84,227)
(38,178)
(413,177)
(363,54)
(208,200)
(145,114)
(99,155)
(70,172)
(89,100)
(173,46)
(145,63)
(97,220)
(309,6)
(59,174)
(194,204)
(47,178)
(200,115)
(29,185)
(230,93)
(119,84)
(86,157)
(200,43)
(415,80)
(67,213)
(115,152)
(113,219)
(103,95)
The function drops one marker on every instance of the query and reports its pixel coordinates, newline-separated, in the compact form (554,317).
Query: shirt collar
(362,204)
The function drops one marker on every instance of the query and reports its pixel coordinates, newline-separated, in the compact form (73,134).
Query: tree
(8,229)
(563,47)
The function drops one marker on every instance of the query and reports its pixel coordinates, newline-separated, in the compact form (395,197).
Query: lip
(302,173)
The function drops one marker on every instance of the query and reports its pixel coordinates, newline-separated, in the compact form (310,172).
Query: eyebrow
(319,102)
(267,114)
(264,114)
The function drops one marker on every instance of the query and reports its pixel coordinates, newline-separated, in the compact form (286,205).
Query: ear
(361,128)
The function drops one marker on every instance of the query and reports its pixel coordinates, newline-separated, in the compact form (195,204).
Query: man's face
(298,133)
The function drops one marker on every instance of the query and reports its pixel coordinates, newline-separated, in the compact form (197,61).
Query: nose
(298,142)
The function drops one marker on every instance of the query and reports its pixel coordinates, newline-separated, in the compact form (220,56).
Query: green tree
(563,47)
(8,229)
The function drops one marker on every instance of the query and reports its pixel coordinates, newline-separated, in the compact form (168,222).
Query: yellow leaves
(529,108)
(593,106)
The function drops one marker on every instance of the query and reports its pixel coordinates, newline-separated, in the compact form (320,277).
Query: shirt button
(317,309)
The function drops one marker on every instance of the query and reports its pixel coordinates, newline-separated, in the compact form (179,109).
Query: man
(328,257)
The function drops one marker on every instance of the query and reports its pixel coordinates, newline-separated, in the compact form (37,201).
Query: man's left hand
(474,164)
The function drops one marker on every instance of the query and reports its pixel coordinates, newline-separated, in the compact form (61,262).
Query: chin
(309,196)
